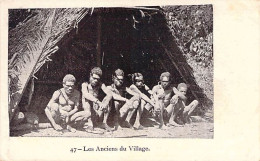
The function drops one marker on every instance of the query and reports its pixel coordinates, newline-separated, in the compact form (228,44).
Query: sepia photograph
(111,72)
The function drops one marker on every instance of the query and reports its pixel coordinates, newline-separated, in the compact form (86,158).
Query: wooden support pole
(99,55)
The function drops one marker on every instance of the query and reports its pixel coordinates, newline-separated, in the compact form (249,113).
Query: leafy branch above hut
(192,27)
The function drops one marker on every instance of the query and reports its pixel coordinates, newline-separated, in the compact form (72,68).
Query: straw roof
(31,44)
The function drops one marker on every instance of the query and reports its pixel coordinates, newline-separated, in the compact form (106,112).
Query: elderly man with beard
(95,100)
(122,105)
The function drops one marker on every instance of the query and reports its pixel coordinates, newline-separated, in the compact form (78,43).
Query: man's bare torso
(66,102)
(163,94)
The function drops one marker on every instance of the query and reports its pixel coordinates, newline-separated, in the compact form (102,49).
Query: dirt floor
(198,128)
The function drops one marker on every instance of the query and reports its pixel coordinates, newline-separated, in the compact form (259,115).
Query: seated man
(180,104)
(95,99)
(144,92)
(121,103)
(164,100)
(63,106)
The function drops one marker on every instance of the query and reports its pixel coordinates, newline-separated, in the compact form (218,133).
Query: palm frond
(34,41)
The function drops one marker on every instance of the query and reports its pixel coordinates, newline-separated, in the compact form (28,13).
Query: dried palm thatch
(31,44)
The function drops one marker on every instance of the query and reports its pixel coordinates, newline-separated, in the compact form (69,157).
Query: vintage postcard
(131,81)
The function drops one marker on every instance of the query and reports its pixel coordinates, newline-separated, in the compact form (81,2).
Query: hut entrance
(110,38)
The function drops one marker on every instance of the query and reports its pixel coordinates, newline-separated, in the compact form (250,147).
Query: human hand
(57,127)
(66,108)
(103,107)
(127,101)
(175,90)
(161,96)
(96,105)
(64,114)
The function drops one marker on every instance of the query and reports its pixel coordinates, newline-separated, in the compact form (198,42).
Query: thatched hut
(55,42)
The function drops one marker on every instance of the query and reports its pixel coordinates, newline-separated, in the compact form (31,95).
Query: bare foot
(128,125)
(105,126)
(117,126)
(57,127)
(90,129)
(71,129)
(162,127)
(174,124)
(139,127)
(187,120)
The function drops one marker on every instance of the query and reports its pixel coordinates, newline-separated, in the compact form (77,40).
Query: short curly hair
(69,78)
(165,74)
(97,71)
(133,76)
(184,85)
(119,72)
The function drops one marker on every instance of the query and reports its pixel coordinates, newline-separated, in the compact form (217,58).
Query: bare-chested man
(162,96)
(95,99)
(62,109)
(166,101)
(121,103)
(180,104)
(144,92)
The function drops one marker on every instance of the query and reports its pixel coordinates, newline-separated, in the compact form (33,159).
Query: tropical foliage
(192,27)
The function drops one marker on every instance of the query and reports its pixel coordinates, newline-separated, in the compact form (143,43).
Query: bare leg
(50,113)
(173,109)
(189,109)
(148,106)
(106,101)
(88,123)
(81,116)
(127,107)
(161,106)
(117,114)
(104,125)
(131,108)
(137,124)
(128,118)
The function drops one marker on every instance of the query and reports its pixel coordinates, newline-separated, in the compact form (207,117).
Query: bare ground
(198,128)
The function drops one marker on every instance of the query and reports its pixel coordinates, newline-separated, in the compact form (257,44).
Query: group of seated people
(165,101)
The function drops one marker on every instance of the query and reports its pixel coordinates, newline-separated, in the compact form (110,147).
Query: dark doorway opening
(109,38)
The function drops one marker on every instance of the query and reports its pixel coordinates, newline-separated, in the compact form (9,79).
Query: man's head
(118,77)
(138,80)
(95,75)
(69,83)
(182,87)
(165,79)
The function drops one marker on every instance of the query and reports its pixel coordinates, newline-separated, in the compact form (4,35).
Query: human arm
(148,89)
(155,93)
(129,91)
(143,96)
(86,94)
(54,101)
(106,90)
(76,105)
(116,96)
(53,105)
(104,104)
(179,94)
